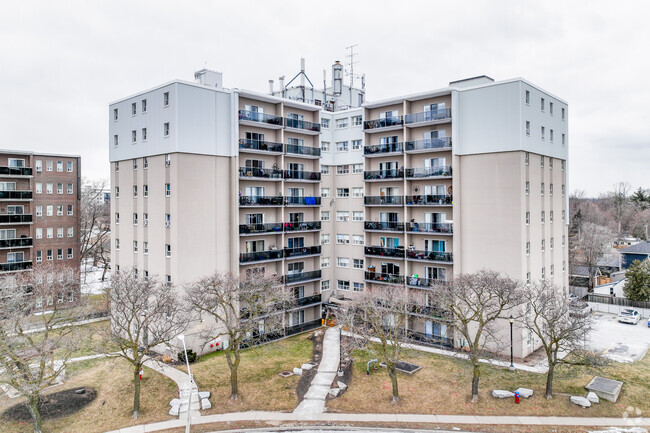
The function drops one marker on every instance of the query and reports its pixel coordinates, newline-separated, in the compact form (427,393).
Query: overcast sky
(62,62)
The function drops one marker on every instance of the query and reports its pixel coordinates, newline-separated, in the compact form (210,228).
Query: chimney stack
(270,87)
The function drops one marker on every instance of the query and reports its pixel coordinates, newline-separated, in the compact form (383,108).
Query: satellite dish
(416,189)
(275,165)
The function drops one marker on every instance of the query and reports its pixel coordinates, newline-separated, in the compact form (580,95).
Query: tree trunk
(35,411)
(234,380)
(136,391)
(392,372)
(475,377)
(105,269)
(549,380)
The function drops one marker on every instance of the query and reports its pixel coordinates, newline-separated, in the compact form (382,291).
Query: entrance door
(428,328)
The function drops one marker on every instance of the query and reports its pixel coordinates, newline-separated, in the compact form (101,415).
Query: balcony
(301,251)
(427,118)
(385,124)
(16,243)
(429,200)
(303,327)
(391,174)
(430,256)
(15,266)
(430,339)
(303,126)
(310,176)
(260,256)
(383,200)
(383,226)
(260,200)
(428,145)
(260,146)
(384,149)
(302,226)
(378,277)
(255,229)
(15,219)
(15,171)
(432,312)
(260,119)
(422,283)
(424,172)
(301,277)
(302,151)
(308,300)
(397,253)
(260,173)
(15,195)
(302,201)
(440,228)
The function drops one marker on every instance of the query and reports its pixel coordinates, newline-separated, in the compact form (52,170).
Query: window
(357,264)
(49,188)
(165,99)
(70,167)
(342,216)
(117,217)
(50,166)
(527,97)
(49,255)
(325,123)
(357,239)
(563,163)
(134,109)
(145,219)
(39,165)
(144,105)
(325,146)
(527,158)
(342,192)
(357,168)
(117,192)
(70,188)
(135,246)
(135,219)
(168,160)
(552,270)
(563,112)
(145,190)
(168,250)
(325,238)
(166,129)
(527,277)
(527,127)
(550,189)
(527,218)
(117,167)
(552,243)
(342,239)
(563,189)
(144,134)
(135,164)
(550,108)
(145,247)
(527,187)
(543,216)
(59,210)
(39,188)
(70,232)
(50,210)
(550,162)
(59,166)
(116,140)
(341,146)
(543,132)
(542,188)
(357,120)
(563,139)
(357,216)
(357,287)
(325,192)
(550,135)
(168,220)
(356,144)
(39,256)
(342,123)
(168,190)
(563,240)
(563,215)
(324,262)
(325,169)
(70,253)
(59,232)
(343,285)
(342,169)
(59,188)
(541,161)
(39,210)
(134,136)
(145,162)
(39,233)
(115,114)
(135,191)
(550,216)
(325,215)
(541,103)
(357,192)
(324,285)
(543,273)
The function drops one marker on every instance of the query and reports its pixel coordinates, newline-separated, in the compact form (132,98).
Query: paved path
(185,387)
(392,418)
(314,401)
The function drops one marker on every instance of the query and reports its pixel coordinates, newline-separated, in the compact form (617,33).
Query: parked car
(648,321)
(629,316)
(579,309)
(573,298)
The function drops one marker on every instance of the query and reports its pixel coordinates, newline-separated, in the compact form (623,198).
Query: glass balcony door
(254,246)
(296,242)
(389,268)
(434,245)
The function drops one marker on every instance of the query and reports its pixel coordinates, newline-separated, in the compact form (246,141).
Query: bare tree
(95,224)
(378,317)
(144,314)
(593,242)
(246,308)
(29,342)
(555,322)
(476,302)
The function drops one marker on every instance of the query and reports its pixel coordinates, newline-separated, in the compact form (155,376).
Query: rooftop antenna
(350,63)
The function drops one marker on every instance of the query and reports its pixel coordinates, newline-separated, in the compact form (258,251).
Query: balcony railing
(436,256)
(428,116)
(302,201)
(443,170)
(384,278)
(267,173)
(396,173)
(254,116)
(15,219)
(16,243)
(428,199)
(375,149)
(301,276)
(267,146)
(15,171)
(299,174)
(430,339)
(261,200)
(302,124)
(301,251)
(430,227)
(15,266)
(433,312)
(302,327)
(384,225)
(384,252)
(422,282)
(314,299)
(302,150)
(259,256)
(260,228)
(302,226)
(15,195)
(383,123)
(383,200)
(428,144)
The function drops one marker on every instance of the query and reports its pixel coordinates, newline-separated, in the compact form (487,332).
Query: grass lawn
(112,407)
(443,386)
(260,386)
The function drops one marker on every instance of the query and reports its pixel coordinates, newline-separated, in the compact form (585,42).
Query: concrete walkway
(391,418)
(185,387)
(314,401)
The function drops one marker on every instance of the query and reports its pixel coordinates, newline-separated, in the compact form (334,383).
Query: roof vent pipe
(270,87)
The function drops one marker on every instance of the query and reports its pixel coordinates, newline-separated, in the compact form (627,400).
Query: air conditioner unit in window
(168,224)
(168,163)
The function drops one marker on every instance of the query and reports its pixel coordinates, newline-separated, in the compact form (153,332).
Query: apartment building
(39,213)
(404,191)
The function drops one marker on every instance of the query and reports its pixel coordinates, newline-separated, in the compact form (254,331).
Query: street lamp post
(512,366)
(189,397)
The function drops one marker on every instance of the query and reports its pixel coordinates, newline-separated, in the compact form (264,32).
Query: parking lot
(619,341)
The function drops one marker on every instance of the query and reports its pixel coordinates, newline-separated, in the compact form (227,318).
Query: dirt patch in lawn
(308,375)
(58,404)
